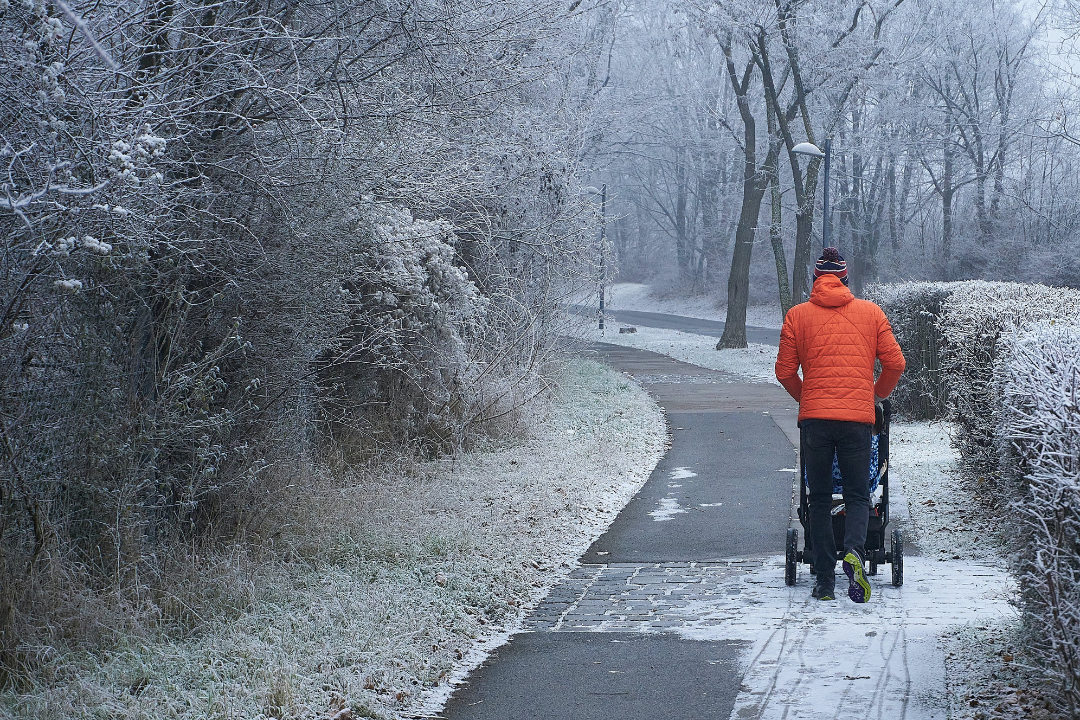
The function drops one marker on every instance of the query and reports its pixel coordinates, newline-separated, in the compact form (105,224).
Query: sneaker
(823,592)
(858,588)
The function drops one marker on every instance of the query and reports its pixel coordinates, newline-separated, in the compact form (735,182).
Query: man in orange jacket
(836,338)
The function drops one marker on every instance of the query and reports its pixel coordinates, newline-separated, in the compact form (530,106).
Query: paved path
(680,610)
(698,326)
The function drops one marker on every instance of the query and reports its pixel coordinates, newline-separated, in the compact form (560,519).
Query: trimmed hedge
(1002,361)
(913,310)
(975,319)
(1038,383)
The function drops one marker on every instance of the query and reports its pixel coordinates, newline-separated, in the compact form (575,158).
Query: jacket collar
(829,291)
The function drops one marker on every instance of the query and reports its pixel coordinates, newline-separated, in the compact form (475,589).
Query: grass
(385,582)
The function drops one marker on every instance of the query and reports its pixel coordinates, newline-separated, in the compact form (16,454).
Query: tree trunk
(776,227)
(710,238)
(804,191)
(682,239)
(739,278)
(890,181)
(755,183)
(947,192)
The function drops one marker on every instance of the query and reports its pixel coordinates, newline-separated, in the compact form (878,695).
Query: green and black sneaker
(823,592)
(858,588)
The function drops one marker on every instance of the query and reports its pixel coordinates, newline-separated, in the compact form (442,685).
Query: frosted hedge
(975,319)
(1038,382)
(913,310)
(950,335)
(1002,361)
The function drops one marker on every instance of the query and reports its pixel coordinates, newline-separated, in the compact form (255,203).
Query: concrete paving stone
(540,616)
(563,599)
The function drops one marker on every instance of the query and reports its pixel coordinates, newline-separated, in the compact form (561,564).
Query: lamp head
(805,148)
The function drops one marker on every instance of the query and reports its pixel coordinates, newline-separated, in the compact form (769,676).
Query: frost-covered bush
(403,363)
(1008,372)
(1038,383)
(949,333)
(974,317)
(184,294)
(913,310)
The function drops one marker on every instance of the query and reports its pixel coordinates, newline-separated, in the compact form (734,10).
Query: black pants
(850,441)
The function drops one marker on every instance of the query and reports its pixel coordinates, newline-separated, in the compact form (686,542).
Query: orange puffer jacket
(836,338)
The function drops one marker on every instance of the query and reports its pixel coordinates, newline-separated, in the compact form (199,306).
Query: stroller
(879,512)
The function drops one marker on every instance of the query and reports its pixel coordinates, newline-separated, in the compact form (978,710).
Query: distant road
(697,326)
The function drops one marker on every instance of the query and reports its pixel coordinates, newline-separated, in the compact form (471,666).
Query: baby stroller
(879,512)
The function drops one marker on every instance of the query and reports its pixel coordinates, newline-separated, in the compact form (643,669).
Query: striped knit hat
(831,263)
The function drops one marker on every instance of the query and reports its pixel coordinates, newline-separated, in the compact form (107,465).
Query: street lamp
(603,236)
(805,148)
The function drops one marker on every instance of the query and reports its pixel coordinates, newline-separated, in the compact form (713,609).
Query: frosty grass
(422,569)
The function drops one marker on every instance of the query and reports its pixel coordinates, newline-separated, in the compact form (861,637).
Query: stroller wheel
(897,558)
(791,556)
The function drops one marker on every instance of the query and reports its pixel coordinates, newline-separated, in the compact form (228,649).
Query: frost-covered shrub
(402,366)
(184,296)
(913,310)
(974,317)
(1038,383)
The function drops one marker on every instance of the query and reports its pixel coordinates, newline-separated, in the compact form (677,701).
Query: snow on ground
(945,525)
(409,577)
(643,298)
(813,659)
(754,362)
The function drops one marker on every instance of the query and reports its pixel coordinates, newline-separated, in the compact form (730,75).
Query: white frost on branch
(95,245)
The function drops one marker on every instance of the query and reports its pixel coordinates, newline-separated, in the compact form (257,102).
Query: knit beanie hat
(832,263)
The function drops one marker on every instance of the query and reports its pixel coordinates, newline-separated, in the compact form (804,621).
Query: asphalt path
(697,326)
(603,645)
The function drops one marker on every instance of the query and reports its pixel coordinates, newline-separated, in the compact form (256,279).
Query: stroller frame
(880,517)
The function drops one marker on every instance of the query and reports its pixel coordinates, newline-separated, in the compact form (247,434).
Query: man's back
(836,338)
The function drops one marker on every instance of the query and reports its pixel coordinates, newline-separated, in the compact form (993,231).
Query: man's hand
(878,400)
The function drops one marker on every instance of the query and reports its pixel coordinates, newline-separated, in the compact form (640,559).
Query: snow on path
(754,362)
(639,297)
(814,659)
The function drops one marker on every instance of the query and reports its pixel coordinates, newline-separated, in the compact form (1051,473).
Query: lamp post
(806,148)
(602,192)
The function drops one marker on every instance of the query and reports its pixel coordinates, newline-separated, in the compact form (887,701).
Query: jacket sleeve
(891,357)
(787,360)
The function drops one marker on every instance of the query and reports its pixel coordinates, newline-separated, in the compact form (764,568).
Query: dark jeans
(850,441)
